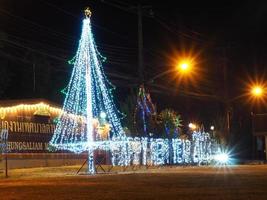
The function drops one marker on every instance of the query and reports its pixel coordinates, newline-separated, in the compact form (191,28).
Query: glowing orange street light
(184,66)
(257,91)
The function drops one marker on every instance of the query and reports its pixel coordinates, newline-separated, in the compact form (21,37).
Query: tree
(220,124)
(170,123)
(145,112)
(88,100)
(128,108)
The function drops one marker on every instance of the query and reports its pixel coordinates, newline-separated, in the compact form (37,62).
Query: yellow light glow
(184,66)
(192,126)
(257,91)
(33,108)
(29,108)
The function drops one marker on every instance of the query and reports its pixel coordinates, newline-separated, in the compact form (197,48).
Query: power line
(35,24)
(77,17)
(113,55)
(177,32)
(111,49)
(58,34)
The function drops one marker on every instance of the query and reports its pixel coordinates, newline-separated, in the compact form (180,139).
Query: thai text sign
(27,136)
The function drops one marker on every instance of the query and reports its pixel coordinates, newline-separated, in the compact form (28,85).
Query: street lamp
(183,67)
(192,126)
(212,128)
(257,91)
(257,94)
(253,91)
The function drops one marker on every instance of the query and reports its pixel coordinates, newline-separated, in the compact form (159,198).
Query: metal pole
(82,166)
(34,81)
(254,138)
(91,161)
(89,109)
(6,167)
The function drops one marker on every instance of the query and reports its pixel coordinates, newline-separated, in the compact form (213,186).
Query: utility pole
(139,11)
(226,96)
(140,45)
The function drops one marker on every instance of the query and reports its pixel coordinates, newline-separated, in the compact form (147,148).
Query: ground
(234,182)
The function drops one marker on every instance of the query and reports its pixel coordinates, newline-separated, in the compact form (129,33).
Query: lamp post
(184,67)
(257,92)
(192,126)
(254,93)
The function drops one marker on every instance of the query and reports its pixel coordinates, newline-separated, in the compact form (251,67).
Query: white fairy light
(88,97)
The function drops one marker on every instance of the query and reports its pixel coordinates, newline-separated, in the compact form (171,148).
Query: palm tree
(170,123)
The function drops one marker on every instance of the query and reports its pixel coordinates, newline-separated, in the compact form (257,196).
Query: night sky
(40,36)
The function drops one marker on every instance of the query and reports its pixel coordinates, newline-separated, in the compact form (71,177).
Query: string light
(89,98)
(202,147)
(42,107)
(144,110)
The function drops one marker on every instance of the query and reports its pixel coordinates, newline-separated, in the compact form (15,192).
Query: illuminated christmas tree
(88,103)
(144,112)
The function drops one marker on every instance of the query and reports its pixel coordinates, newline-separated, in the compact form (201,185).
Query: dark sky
(218,33)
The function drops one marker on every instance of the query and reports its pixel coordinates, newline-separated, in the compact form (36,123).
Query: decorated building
(259,129)
(30,124)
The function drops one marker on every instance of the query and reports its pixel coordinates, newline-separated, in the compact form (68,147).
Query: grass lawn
(235,182)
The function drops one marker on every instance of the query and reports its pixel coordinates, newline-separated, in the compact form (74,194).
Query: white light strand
(145,151)
(88,97)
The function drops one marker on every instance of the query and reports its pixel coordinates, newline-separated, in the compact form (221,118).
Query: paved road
(236,182)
